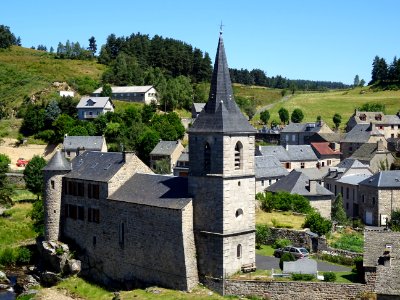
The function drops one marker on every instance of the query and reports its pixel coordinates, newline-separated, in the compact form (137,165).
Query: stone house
(360,134)
(326,155)
(182,164)
(291,156)
(298,183)
(388,125)
(143,94)
(73,145)
(380,196)
(300,133)
(117,215)
(268,170)
(382,262)
(169,150)
(91,107)
(376,156)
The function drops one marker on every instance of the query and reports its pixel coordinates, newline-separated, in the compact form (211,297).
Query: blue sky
(303,39)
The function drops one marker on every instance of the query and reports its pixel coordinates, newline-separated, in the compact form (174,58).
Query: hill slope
(24,72)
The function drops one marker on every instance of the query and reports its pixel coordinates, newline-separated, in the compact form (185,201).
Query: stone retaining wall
(276,290)
(16,178)
(297,237)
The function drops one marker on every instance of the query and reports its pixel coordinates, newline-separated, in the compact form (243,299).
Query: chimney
(312,186)
(380,146)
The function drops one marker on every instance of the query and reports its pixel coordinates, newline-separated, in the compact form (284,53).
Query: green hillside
(343,102)
(25,72)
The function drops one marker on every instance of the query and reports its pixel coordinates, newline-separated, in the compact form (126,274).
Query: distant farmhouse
(133,226)
(300,133)
(91,107)
(74,145)
(143,94)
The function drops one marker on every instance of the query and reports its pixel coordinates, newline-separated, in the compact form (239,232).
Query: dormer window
(207,158)
(238,155)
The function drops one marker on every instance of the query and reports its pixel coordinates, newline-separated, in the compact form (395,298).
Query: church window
(239,213)
(207,158)
(121,233)
(239,251)
(238,155)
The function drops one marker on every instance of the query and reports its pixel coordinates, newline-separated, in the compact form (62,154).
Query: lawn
(265,250)
(347,240)
(23,195)
(280,219)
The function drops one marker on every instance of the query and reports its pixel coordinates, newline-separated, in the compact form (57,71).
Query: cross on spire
(220,28)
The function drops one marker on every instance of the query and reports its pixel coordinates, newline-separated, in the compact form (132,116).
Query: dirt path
(14,152)
(54,294)
(269,106)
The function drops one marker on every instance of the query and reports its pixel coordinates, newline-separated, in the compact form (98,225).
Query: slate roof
(98,102)
(301,153)
(360,134)
(126,89)
(184,157)
(384,179)
(314,173)
(165,148)
(58,163)
(370,117)
(366,152)
(296,183)
(328,137)
(95,143)
(277,151)
(351,163)
(324,149)
(268,167)
(198,107)
(354,179)
(221,113)
(294,127)
(96,166)
(154,190)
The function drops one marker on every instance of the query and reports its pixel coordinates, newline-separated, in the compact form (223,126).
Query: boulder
(73,267)
(49,279)
(3,278)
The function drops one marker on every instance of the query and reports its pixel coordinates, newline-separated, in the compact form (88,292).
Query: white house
(144,94)
(91,107)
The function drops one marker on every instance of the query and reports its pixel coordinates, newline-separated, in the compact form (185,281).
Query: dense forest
(385,75)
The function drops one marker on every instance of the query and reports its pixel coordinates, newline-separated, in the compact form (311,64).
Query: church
(131,226)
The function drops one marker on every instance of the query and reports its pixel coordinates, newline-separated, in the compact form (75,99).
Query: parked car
(298,252)
(22,162)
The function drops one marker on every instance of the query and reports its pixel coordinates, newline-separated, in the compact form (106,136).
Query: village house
(300,133)
(298,183)
(74,145)
(91,107)
(166,150)
(268,170)
(182,164)
(388,125)
(118,215)
(326,155)
(380,196)
(143,94)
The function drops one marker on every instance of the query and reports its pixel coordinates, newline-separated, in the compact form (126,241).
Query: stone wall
(276,290)
(16,178)
(297,237)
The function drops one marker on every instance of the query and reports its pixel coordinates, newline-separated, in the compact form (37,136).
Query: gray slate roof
(314,173)
(354,179)
(98,102)
(295,183)
(351,163)
(384,179)
(360,134)
(58,163)
(221,113)
(366,152)
(94,143)
(277,151)
(301,153)
(154,190)
(96,166)
(268,167)
(198,107)
(165,148)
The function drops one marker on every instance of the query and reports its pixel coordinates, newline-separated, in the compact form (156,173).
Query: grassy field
(24,72)
(343,102)
(280,218)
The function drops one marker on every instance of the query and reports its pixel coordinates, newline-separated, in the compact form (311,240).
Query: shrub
(302,277)
(280,243)
(337,259)
(286,257)
(23,255)
(7,257)
(317,223)
(329,276)
(351,242)
(262,234)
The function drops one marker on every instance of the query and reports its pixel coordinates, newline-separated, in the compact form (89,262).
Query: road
(270,262)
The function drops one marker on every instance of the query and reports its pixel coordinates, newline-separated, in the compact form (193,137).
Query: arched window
(207,158)
(238,155)
(239,251)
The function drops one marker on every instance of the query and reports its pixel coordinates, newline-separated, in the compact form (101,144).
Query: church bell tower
(222,180)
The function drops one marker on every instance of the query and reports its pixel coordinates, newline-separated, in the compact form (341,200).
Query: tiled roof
(58,163)
(126,89)
(165,148)
(96,102)
(324,149)
(221,113)
(154,190)
(384,179)
(268,167)
(94,143)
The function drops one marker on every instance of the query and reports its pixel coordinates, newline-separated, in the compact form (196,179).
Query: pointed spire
(228,118)
(58,163)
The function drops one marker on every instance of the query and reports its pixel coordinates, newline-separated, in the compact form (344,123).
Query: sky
(297,39)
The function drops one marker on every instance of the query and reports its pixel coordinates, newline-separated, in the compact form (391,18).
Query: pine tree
(338,213)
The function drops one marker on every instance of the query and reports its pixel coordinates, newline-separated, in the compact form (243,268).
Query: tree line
(258,77)
(385,74)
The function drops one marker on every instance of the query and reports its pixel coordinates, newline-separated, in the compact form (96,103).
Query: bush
(329,276)
(337,259)
(286,257)
(7,257)
(351,242)
(23,256)
(317,223)
(302,277)
(47,135)
(262,234)
(280,243)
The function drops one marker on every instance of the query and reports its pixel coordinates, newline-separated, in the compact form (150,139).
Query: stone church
(130,226)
